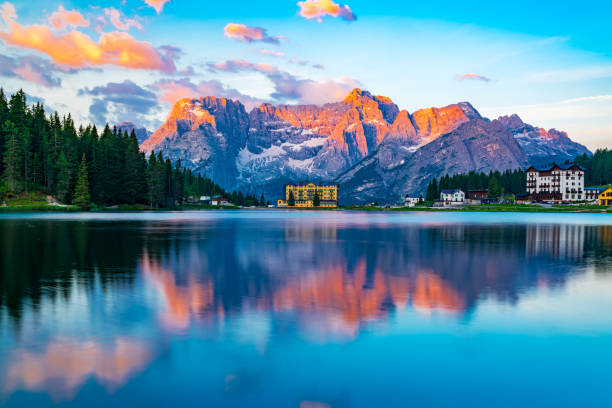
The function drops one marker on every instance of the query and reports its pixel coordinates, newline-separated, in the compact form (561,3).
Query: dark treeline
(598,168)
(496,183)
(85,166)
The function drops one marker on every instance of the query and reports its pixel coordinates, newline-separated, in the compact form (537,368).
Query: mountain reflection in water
(97,300)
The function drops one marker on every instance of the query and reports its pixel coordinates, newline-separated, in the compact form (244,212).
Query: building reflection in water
(556,241)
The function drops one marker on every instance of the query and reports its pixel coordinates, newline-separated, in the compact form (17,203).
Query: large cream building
(304,195)
(556,183)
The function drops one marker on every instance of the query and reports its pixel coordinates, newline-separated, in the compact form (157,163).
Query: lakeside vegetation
(490,208)
(496,183)
(598,168)
(598,173)
(44,156)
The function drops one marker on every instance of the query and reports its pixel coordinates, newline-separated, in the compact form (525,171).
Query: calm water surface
(306,310)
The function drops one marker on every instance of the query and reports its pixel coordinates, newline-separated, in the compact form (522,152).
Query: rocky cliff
(477,145)
(142,134)
(373,149)
(206,134)
(542,146)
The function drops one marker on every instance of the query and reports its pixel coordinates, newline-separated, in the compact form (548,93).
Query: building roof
(453,191)
(596,188)
(320,184)
(560,166)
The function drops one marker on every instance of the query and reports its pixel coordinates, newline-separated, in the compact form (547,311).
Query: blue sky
(551,63)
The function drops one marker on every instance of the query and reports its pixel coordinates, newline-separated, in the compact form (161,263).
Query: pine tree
(432,190)
(27,158)
(494,188)
(262,200)
(3,119)
(134,180)
(63,179)
(13,159)
(316,201)
(82,197)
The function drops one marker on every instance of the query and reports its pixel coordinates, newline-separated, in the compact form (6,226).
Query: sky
(131,60)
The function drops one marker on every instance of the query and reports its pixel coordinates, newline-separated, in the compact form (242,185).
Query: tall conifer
(82,197)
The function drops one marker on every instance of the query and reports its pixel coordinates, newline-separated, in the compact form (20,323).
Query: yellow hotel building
(304,195)
(605,197)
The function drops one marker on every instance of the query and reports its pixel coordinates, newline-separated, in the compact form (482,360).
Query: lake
(270,308)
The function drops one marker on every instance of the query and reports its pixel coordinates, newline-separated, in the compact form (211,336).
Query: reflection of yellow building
(605,197)
(304,195)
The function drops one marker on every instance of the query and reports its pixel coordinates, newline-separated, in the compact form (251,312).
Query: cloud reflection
(65,365)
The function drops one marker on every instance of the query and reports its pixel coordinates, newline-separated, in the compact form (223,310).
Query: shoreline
(479,208)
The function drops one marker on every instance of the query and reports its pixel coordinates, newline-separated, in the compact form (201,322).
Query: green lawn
(32,202)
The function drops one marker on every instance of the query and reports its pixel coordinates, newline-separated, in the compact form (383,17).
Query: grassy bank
(39,202)
(32,202)
(496,208)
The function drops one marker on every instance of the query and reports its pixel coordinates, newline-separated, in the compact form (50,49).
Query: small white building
(591,194)
(219,201)
(455,196)
(205,200)
(410,201)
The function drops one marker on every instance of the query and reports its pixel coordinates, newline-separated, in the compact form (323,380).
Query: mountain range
(374,150)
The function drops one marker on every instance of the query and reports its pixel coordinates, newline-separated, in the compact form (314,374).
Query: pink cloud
(245,33)
(271,53)
(115,17)
(308,91)
(242,65)
(319,8)
(78,50)
(171,91)
(473,77)
(288,87)
(158,5)
(297,61)
(32,69)
(30,74)
(7,12)
(62,18)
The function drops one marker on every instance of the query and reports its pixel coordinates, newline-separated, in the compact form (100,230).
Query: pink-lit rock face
(433,122)
(403,128)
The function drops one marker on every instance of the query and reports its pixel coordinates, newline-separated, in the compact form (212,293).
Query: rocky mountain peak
(511,122)
(357,95)
(469,110)
(373,107)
